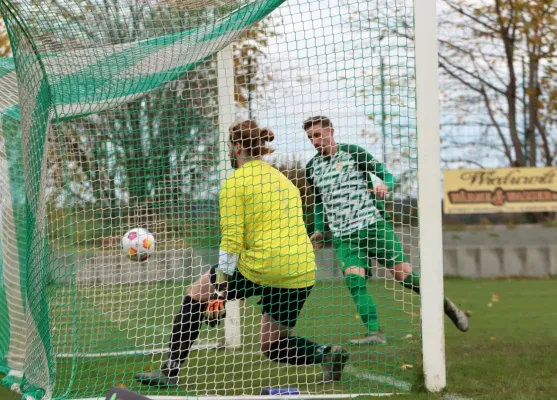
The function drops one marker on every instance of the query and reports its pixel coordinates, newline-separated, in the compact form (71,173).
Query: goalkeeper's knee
(215,310)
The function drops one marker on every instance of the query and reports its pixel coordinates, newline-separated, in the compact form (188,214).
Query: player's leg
(389,252)
(281,308)
(384,245)
(185,330)
(354,262)
(186,327)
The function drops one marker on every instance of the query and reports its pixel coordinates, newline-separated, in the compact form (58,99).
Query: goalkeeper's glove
(215,310)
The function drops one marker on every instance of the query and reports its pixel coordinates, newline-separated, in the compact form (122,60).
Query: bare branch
(491,69)
(476,124)
(545,143)
(481,80)
(496,125)
(466,161)
(458,8)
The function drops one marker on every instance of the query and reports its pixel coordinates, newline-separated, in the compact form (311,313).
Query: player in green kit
(344,195)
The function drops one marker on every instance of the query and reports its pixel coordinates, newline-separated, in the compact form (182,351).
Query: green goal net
(114,135)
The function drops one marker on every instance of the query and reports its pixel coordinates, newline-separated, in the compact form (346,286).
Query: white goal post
(431,254)
(429,193)
(85,299)
(227,115)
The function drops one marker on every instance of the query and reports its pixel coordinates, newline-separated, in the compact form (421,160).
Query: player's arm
(318,212)
(368,164)
(382,173)
(231,204)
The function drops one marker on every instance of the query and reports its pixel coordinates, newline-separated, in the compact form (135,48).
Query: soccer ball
(138,244)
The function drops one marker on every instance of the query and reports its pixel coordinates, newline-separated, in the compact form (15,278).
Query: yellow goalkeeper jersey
(262,221)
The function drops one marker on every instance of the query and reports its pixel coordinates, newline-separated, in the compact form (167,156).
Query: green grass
(509,353)
(131,317)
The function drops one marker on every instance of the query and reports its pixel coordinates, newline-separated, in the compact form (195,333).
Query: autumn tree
(107,154)
(501,54)
(497,77)
(250,76)
(5,46)
(385,83)
(538,27)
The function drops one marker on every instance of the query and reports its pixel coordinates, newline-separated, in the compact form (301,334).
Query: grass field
(509,353)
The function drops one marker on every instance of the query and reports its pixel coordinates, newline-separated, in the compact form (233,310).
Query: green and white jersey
(341,183)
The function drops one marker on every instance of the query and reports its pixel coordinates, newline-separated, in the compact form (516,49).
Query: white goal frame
(429,191)
(227,116)
(429,195)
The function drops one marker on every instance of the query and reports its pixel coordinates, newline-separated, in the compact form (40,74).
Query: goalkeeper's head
(248,142)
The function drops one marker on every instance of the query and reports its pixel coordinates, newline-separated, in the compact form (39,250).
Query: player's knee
(265,347)
(355,271)
(193,293)
(201,289)
(272,350)
(401,271)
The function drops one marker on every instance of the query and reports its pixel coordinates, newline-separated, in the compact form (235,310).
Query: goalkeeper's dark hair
(251,137)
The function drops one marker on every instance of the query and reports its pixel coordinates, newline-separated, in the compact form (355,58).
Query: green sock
(412,281)
(366,307)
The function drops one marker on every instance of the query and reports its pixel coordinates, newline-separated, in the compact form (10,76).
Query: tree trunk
(533,107)
(511,96)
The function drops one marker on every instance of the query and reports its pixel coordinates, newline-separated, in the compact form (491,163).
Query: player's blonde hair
(251,137)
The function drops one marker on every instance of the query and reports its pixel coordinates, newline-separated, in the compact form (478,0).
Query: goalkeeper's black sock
(185,331)
(297,351)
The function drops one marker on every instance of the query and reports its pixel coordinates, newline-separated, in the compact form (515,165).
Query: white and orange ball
(138,244)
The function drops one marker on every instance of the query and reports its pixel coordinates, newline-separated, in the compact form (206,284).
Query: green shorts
(377,241)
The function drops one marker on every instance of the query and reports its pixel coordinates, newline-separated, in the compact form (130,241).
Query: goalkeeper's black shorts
(283,305)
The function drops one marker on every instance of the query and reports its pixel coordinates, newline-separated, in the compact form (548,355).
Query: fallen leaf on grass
(493,338)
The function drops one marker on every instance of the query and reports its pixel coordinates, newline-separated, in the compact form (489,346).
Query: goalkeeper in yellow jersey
(265,251)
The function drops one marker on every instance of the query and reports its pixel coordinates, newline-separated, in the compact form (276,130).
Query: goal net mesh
(114,115)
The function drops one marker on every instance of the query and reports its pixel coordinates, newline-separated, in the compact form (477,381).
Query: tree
(383,45)
(481,50)
(109,162)
(538,26)
(5,46)
(249,77)
(495,110)
(110,150)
